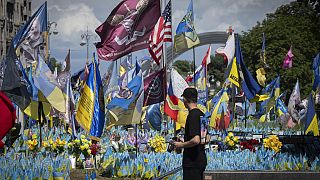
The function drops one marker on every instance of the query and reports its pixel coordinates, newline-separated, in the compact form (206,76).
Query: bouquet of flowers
(95,149)
(59,145)
(231,141)
(33,143)
(272,143)
(249,144)
(78,146)
(157,143)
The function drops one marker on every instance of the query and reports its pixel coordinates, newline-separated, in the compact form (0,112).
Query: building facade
(13,14)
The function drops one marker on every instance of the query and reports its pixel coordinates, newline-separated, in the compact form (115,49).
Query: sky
(73,17)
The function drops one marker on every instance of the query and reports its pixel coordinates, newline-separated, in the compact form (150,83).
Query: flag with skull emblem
(127,29)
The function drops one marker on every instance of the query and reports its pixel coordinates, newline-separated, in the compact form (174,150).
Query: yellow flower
(89,151)
(146,160)
(82,148)
(70,145)
(86,146)
(273,143)
(34,136)
(54,146)
(50,141)
(231,143)
(230,134)
(45,144)
(276,149)
(82,136)
(84,140)
(77,141)
(236,139)
(227,139)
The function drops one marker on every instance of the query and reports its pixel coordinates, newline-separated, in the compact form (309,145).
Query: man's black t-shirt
(194,156)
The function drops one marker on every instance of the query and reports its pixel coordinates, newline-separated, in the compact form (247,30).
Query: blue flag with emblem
(128,94)
(126,107)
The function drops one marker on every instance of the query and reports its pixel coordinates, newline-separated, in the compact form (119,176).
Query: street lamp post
(54,32)
(85,37)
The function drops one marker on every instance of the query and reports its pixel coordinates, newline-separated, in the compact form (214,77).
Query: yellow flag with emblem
(234,74)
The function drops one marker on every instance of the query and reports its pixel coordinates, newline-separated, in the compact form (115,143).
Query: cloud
(74,20)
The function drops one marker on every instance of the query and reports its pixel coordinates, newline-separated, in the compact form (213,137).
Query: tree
(53,64)
(217,69)
(295,24)
(183,67)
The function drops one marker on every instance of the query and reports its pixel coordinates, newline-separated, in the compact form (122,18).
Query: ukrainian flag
(90,112)
(312,120)
(280,107)
(47,84)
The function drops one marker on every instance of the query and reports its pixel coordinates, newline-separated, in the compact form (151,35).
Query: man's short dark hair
(190,94)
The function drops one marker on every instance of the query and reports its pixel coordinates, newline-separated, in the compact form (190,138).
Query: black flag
(11,81)
(154,88)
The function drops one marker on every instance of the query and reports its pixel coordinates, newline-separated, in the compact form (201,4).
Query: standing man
(194,158)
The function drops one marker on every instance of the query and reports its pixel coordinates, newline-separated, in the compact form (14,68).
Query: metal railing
(174,171)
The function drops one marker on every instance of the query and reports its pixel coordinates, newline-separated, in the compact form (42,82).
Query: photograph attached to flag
(31,36)
(161,33)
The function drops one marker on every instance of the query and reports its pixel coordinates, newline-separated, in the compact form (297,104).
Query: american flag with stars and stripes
(162,32)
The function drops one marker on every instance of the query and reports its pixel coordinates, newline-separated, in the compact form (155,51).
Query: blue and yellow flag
(186,36)
(90,112)
(312,120)
(128,94)
(280,107)
(47,84)
(126,107)
(249,85)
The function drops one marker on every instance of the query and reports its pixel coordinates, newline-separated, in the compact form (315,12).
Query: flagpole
(194,67)
(245,112)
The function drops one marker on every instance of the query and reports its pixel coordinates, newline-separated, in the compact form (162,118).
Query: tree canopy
(296,25)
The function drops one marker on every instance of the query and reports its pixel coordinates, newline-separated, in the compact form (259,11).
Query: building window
(29,6)
(24,3)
